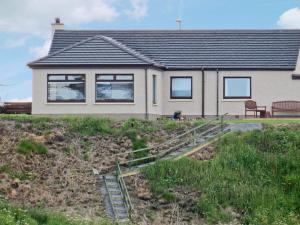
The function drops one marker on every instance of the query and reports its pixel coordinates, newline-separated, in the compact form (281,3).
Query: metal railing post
(222,123)
(194,137)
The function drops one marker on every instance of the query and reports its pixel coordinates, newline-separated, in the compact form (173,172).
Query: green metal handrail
(192,131)
(168,141)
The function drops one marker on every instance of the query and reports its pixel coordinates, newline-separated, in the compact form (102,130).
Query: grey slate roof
(96,50)
(184,49)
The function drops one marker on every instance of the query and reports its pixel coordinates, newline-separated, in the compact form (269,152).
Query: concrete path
(243,127)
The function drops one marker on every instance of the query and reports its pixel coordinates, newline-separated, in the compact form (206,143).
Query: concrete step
(113,198)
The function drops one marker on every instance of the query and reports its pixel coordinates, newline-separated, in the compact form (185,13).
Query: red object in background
(17,107)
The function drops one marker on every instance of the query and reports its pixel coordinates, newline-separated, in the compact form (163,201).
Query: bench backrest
(250,104)
(286,105)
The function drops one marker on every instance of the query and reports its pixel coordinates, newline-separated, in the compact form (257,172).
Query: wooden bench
(285,106)
(17,107)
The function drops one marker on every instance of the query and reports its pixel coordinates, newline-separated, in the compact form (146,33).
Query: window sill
(180,100)
(235,99)
(114,103)
(66,103)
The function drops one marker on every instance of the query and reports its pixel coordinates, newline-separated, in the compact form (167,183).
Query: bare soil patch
(151,209)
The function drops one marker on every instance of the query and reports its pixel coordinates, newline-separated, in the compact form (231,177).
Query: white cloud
(139,9)
(290,19)
(35,16)
(40,51)
(13,43)
(29,99)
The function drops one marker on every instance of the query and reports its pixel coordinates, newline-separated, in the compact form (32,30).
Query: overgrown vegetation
(132,128)
(89,126)
(10,215)
(27,146)
(255,174)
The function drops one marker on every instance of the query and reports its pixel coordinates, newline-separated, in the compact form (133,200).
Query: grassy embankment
(83,127)
(256,175)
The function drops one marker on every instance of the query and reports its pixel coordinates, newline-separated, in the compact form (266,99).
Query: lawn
(254,174)
(267,120)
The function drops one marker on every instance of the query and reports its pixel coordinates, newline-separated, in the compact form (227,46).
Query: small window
(237,87)
(295,77)
(181,88)
(154,89)
(66,88)
(114,88)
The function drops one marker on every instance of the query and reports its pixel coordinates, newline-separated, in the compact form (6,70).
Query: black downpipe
(217,92)
(146,94)
(203,93)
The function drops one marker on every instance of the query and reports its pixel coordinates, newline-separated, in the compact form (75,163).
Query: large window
(154,89)
(66,88)
(114,88)
(181,88)
(237,87)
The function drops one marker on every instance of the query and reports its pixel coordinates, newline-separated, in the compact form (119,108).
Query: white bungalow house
(153,73)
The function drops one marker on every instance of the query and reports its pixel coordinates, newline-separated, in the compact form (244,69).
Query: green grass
(10,215)
(27,146)
(89,126)
(24,118)
(168,196)
(257,174)
(267,121)
(13,173)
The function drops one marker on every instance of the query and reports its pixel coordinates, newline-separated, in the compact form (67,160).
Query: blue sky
(25,25)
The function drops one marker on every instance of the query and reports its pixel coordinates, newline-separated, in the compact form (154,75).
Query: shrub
(27,146)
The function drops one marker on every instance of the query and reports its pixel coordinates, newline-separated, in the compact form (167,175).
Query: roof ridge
(130,50)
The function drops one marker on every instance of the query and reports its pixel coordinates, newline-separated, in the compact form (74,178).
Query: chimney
(57,25)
